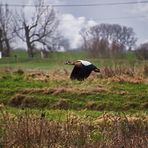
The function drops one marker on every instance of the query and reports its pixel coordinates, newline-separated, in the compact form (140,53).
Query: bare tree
(94,41)
(108,39)
(39,29)
(123,35)
(6,30)
(1,41)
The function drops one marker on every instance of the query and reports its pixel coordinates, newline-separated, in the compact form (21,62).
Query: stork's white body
(85,63)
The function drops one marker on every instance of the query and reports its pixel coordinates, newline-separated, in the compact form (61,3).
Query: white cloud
(70,27)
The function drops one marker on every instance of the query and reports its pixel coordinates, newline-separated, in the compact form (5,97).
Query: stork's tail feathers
(97,70)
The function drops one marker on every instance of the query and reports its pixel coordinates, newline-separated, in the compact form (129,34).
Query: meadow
(106,110)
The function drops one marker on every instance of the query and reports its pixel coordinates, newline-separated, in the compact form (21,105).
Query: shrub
(142,51)
(145,72)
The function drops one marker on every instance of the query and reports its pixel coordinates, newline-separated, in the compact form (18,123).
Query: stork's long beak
(97,70)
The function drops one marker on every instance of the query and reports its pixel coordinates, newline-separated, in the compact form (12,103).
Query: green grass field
(56,60)
(45,84)
(41,107)
(101,95)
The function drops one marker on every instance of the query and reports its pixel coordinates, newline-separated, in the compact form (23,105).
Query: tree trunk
(1,42)
(29,46)
(7,50)
(30,52)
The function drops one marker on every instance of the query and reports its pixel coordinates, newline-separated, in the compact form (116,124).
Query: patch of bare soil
(20,100)
(61,104)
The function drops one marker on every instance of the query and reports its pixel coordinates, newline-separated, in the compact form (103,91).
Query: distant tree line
(108,39)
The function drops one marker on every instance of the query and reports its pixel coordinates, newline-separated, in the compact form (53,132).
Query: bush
(145,72)
(142,52)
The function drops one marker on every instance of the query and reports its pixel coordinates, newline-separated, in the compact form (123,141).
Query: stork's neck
(70,63)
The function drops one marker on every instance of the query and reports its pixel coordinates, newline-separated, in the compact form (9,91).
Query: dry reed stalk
(109,130)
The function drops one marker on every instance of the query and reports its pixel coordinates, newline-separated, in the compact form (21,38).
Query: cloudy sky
(73,18)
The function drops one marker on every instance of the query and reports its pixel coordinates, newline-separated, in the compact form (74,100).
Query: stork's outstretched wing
(80,72)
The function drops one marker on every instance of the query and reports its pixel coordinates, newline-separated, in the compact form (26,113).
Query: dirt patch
(144,105)
(19,72)
(61,104)
(20,100)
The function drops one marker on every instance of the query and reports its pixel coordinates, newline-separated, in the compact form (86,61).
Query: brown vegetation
(20,100)
(61,104)
(108,130)
(59,90)
(114,73)
(125,74)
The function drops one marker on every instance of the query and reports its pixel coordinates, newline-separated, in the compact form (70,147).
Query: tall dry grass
(131,74)
(106,131)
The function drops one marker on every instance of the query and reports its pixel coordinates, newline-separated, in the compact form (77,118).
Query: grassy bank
(54,90)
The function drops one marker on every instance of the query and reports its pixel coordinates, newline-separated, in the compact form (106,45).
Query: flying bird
(82,69)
